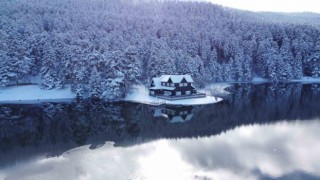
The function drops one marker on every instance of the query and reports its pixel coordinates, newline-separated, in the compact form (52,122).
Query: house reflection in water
(174,113)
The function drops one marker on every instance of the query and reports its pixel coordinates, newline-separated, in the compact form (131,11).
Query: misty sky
(271,5)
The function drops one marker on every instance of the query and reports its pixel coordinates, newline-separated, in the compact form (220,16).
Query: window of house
(185,84)
(172,84)
(181,84)
(188,92)
(167,93)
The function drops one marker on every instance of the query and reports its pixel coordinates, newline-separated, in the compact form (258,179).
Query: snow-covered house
(172,85)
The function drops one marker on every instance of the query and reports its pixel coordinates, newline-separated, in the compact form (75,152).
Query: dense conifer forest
(102,47)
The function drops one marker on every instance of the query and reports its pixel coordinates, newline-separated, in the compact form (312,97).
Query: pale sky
(272,5)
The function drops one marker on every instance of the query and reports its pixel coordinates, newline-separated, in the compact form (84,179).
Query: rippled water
(267,131)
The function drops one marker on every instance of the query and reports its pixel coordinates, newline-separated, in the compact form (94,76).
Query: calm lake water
(266,131)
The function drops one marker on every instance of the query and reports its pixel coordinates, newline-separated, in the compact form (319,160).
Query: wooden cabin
(172,85)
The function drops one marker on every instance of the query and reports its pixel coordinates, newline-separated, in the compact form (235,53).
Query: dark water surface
(266,131)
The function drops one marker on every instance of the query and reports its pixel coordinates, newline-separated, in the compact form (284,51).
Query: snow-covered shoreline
(32,94)
(306,80)
(303,80)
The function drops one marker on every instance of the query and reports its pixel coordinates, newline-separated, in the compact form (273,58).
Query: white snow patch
(304,80)
(258,80)
(307,79)
(34,93)
(140,94)
(216,89)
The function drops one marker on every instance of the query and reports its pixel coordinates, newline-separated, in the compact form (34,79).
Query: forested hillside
(102,47)
(307,18)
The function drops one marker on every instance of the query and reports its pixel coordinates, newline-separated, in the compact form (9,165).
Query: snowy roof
(176,78)
(157,84)
(165,78)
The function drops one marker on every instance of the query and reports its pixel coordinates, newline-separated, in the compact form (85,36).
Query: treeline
(102,47)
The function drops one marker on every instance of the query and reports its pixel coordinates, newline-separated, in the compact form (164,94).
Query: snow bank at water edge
(259,80)
(216,89)
(34,93)
(306,80)
(140,94)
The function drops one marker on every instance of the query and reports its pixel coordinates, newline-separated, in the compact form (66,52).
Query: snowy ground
(258,80)
(34,94)
(306,80)
(140,94)
(216,89)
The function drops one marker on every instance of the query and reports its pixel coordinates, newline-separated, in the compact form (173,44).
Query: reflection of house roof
(174,114)
(158,113)
(177,119)
(176,78)
(189,116)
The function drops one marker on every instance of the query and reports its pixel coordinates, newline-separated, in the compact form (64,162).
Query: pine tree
(5,74)
(161,60)
(131,65)
(95,84)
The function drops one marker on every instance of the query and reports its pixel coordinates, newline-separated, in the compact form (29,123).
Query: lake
(262,131)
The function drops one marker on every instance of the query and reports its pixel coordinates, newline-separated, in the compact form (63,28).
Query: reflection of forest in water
(65,126)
